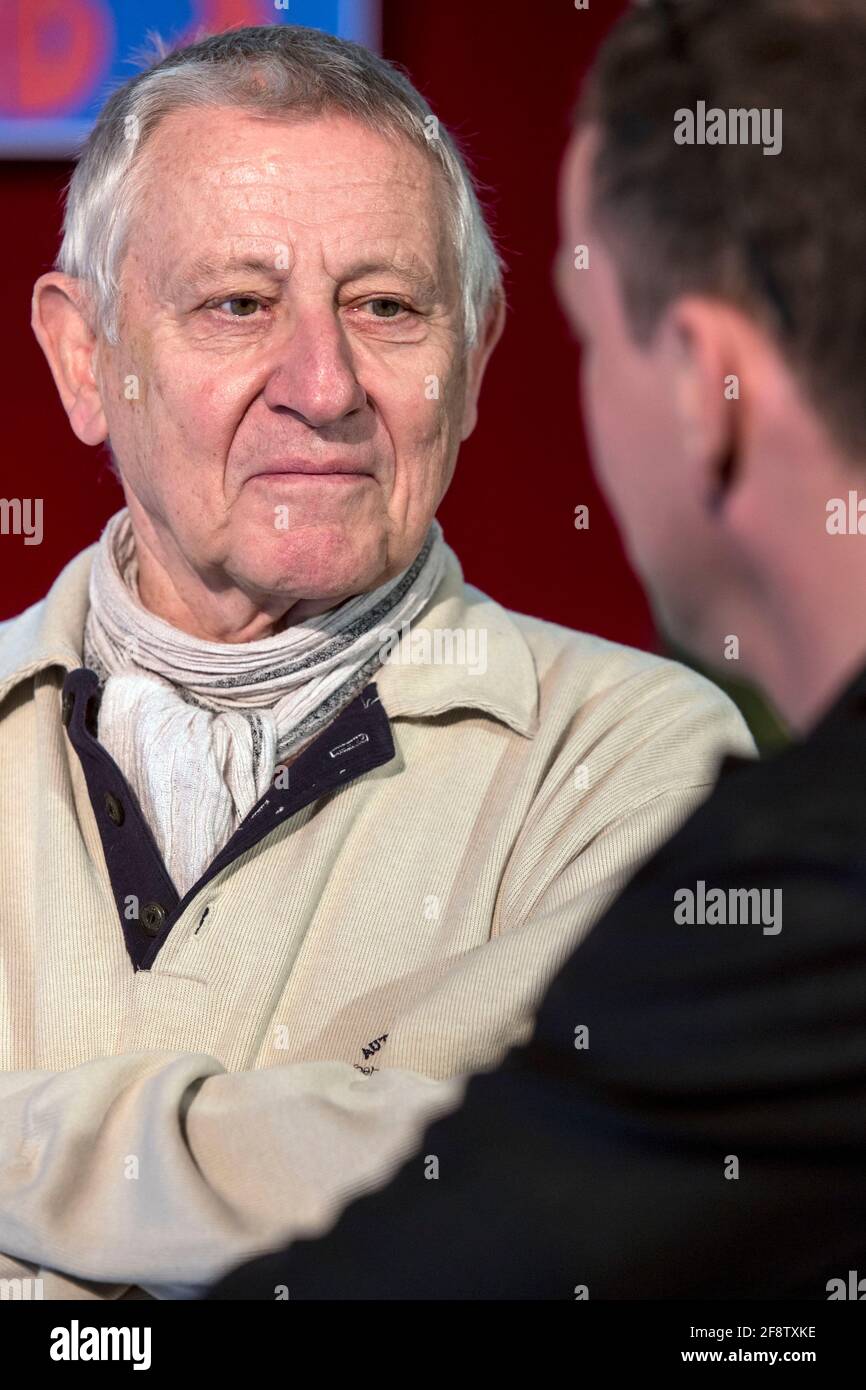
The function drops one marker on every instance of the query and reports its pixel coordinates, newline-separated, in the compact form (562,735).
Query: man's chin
(316,566)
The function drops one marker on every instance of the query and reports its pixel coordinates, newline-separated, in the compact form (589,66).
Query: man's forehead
(227,149)
(226,177)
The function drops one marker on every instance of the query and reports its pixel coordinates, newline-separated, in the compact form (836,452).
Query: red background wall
(504,79)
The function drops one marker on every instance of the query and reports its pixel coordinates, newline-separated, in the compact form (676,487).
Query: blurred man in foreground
(689,1119)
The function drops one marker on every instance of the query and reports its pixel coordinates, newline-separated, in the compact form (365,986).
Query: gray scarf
(198,728)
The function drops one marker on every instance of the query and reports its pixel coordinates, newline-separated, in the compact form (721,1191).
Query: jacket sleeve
(159,1169)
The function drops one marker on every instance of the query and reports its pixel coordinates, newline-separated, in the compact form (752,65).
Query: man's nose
(314,373)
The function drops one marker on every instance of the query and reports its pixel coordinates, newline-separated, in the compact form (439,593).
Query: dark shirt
(710,1140)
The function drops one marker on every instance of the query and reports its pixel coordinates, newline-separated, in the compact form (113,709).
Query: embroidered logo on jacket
(370,1051)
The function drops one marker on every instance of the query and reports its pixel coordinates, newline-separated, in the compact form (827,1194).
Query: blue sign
(59,59)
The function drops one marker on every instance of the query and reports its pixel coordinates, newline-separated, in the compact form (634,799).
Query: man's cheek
(194,415)
(607,431)
(427,415)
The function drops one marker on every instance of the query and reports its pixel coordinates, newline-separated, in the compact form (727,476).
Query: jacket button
(114,808)
(66,707)
(152,918)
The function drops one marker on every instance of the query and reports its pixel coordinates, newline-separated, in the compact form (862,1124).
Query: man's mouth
(298,470)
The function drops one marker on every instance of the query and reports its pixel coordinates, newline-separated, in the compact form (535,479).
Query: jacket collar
(410,684)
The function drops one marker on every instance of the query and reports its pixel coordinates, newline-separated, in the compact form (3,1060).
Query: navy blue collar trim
(356,741)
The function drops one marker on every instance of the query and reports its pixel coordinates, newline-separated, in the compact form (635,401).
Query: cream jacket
(317,1002)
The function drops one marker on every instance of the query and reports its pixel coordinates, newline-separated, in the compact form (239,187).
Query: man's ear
(702,352)
(477,360)
(62,327)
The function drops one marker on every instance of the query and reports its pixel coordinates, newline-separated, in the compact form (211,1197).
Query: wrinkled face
(287,399)
(635,432)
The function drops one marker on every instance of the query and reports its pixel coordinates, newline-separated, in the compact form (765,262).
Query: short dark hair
(709,219)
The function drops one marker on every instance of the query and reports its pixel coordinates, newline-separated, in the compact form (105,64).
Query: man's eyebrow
(203,269)
(415,272)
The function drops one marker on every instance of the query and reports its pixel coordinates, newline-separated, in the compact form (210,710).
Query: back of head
(779,234)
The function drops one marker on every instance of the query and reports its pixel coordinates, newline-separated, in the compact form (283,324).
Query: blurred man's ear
(706,394)
(477,362)
(65,336)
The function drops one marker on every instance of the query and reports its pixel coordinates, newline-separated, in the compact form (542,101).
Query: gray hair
(281,69)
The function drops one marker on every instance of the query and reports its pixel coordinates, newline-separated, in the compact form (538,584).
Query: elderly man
(284,879)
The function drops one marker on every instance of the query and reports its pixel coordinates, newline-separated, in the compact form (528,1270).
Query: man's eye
(390,308)
(247,304)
